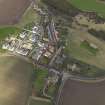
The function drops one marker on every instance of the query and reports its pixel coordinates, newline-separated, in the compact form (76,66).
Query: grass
(87,46)
(85,70)
(28,18)
(6,31)
(90,5)
(51,90)
(98,34)
(62,5)
(83,53)
(39,102)
(40,76)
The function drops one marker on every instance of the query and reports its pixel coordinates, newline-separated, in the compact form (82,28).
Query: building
(51,31)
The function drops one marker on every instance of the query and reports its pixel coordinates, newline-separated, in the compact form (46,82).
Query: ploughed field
(83,93)
(12,10)
(15,81)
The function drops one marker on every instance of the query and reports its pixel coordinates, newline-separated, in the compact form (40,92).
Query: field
(39,102)
(6,31)
(81,93)
(12,10)
(29,16)
(87,46)
(15,81)
(90,5)
(39,81)
(84,53)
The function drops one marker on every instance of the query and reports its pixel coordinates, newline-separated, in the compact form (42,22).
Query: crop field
(28,17)
(90,5)
(83,93)
(12,10)
(15,81)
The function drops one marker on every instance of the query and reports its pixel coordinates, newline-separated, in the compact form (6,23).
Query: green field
(39,81)
(5,31)
(90,5)
(39,102)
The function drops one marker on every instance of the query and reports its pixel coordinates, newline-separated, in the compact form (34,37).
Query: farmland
(39,81)
(90,5)
(27,17)
(77,92)
(12,10)
(6,31)
(15,80)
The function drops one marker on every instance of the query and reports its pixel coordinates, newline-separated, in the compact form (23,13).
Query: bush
(97,34)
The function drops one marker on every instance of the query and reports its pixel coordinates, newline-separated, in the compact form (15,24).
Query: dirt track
(81,93)
(12,10)
(15,81)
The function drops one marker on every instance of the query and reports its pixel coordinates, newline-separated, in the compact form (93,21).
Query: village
(38,44)
(50,47)
(33,43)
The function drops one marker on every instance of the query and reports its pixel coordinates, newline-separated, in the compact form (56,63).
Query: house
(47,54)
(28,46)
(23,35)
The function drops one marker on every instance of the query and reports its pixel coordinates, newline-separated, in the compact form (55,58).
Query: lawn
(40,76)
(51,90)
(90,5)
(39,102)
(6,31)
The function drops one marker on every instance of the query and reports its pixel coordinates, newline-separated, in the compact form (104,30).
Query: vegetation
(6,31)
(63,31)
(39,81)
(76,48)
(85,44)
(82,69)
(39,102)
(26,21)
(89,5)
(62,6)
(97,34)
(51,90)
(28,17)
(29,25)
